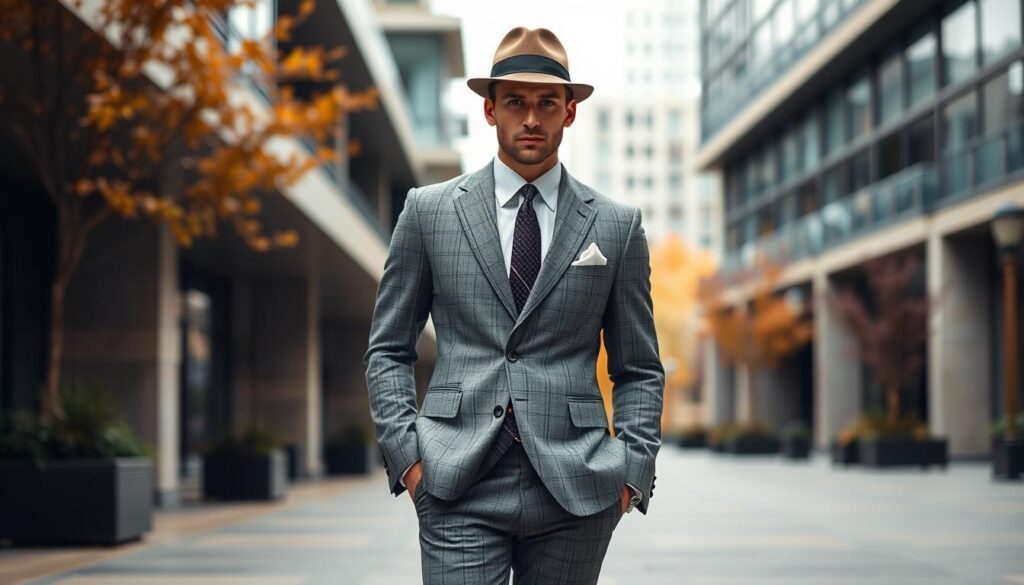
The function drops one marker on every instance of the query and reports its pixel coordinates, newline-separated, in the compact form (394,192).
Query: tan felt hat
(530,56)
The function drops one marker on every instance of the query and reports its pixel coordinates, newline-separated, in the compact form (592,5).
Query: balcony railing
(985,162)
(905,194)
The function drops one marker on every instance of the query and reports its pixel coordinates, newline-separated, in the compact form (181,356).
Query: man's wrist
(401,479)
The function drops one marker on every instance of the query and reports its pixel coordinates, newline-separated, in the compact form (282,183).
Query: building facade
(637,139)
(847,130)
(198,342)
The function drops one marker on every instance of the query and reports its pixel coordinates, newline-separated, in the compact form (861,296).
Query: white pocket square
(592,256)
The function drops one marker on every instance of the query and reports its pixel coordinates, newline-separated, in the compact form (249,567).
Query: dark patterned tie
(525,248)
(524,270)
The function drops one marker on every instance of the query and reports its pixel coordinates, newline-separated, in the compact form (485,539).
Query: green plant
(796,431)
(254,439)
(878,424)
(88,426)
(998,428)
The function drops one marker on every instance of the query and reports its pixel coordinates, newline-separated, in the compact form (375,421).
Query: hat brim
(580,91)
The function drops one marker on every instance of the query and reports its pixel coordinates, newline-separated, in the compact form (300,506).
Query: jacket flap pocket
(441,403)
(587,412)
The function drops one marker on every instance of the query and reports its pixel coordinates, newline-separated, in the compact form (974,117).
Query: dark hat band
(529,63)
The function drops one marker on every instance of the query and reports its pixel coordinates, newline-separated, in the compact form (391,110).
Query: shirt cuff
(401,478)
(636,492)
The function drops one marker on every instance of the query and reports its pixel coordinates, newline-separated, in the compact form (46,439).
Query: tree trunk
(892,403)
(51,398)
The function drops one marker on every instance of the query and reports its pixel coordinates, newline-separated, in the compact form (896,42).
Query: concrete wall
(837,372)
(123,334)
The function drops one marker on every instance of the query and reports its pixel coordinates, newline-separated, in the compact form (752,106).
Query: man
(509,461)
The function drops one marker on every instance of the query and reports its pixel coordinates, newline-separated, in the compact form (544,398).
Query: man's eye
(547,103)
(514,102)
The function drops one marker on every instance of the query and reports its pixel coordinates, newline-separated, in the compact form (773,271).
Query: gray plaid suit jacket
(445,260)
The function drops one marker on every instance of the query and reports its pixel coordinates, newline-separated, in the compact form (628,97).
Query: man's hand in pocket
(412,478)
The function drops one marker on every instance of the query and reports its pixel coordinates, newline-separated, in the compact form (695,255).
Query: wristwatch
(633,501)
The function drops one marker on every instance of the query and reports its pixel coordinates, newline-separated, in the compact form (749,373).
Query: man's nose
(532,120)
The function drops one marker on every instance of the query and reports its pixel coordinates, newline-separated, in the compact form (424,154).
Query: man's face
(529,118)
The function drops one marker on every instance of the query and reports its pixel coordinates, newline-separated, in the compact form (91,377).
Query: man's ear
(570,113)
(489,112)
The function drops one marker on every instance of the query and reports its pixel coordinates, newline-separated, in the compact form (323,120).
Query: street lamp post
(1008,232)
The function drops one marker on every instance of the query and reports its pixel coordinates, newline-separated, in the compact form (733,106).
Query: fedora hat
(530,56)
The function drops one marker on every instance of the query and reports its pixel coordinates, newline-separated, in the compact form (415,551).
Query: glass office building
(846,130)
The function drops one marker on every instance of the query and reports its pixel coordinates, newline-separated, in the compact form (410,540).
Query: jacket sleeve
(399,315)
(634,364)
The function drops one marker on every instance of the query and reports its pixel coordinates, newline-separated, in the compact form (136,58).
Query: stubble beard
(531,156)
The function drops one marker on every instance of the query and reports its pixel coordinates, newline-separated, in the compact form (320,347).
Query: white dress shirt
(507,183)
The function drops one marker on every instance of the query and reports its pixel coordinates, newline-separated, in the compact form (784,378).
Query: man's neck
(529,173)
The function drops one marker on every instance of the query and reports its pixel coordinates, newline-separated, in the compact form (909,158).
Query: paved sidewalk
(714,520)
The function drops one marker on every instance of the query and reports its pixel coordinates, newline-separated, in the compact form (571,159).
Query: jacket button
(498,410)
(512,355)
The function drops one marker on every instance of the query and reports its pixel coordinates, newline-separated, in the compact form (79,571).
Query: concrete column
(122,334)
(960,348)
(742,393)
(283,387)
(717,399)
(837,371)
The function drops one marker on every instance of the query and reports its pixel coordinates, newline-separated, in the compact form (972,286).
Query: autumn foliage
(141,108)
(758,334)
(676,271)
(892,331)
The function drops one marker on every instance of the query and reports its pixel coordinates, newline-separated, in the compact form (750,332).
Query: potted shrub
(1008,456)
(347,453)
(890,325)
(796,440)
(752,439)
(80,478)
(717,435)
(249,466)
(845,448)
(693,437)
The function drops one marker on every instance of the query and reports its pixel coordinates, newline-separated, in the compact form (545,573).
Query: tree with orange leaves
(113,100)
(676,272)
(760,335)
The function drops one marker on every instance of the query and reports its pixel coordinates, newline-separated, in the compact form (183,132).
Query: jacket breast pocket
(587,412)
(441,402)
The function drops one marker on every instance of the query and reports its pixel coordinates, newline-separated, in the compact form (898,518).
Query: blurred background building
(846,130)
(638,139)
(197,342)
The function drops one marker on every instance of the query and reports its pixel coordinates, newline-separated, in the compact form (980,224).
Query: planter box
(752,445)
(903,452)
(245,477)
(1008,459)
(692,442)
(845,455)
(102,501)
(796,448)
(346,460)
(294,461)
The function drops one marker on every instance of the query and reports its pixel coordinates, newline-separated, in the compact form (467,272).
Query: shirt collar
(507,183)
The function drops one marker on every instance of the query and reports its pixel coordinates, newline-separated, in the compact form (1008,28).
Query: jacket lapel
(476,209)
(475,206)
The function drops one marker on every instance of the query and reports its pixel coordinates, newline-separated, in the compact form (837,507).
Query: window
(603,119)
(805,10)
(630,150)
(1003,105)
(959,44)
(835,183)
(649,152)
(921,141)
(630,182)
(1000,28)
(889,155)
(960,122)
(835,122)
(921,66)
(630,119)
(858,98)
(790,154)
(809,136)
(859,173)
(783,21)
(890,88)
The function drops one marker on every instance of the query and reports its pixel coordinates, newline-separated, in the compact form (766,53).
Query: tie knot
(528,191)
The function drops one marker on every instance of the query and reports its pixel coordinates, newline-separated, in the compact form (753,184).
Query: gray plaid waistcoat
(445,262)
